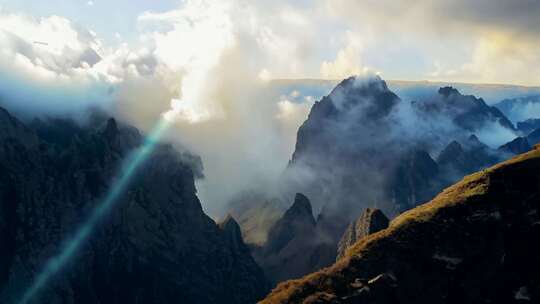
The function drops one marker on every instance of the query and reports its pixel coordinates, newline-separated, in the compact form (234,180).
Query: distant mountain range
(521,110)
(362,146)
(411,90)
(368,157)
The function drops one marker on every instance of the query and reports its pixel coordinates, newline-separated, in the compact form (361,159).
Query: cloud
(203,60)
(501,58)
(441,15)
(478,41)
(224,110)
(54,66)
(347,62)
(209,62)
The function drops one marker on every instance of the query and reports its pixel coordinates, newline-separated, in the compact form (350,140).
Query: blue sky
(104,17)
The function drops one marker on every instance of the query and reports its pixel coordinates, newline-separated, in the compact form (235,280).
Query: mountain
(517,146)
(415,179)
(297,220)
(155,246)
(365,102)
(534,137)
(466,111)
(408,90)
(473,243)
(521,108)
(459,159)
(529,125)
(363,147)
(339,139)
(369,222)
(295,245)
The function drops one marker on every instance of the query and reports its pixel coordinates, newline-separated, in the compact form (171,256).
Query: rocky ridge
(471,244)
(156,246)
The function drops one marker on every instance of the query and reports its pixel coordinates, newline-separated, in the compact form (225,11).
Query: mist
(207,68)
(222,108)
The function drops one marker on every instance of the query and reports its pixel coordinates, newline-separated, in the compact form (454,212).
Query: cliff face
(459,159)
(365,147)
(369,222)
(466,111)
(296,244)
(473,243)
(156,246)
(344,136)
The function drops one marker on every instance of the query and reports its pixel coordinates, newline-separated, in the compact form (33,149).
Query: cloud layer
(208,62)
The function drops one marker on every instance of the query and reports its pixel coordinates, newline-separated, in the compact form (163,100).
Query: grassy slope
(474,189)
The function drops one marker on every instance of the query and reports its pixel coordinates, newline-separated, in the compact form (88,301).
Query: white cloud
(210,61)
(347,62)
(53,65)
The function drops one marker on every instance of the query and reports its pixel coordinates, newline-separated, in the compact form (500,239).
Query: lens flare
(138,157)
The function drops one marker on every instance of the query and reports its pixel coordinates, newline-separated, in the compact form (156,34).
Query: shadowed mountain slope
(155,246)
(473,243)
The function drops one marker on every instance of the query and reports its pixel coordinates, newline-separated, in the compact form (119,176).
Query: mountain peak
(447,91)
(229,224)
(371,92)
(11,127)
(370,221)
(474,139)
(297,220)
(111,128)
(233,233)
(301,205)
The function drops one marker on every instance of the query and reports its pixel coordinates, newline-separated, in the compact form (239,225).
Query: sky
(205,65)
(482,41)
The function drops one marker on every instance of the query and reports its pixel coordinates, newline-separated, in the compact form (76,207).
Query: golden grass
(469,187)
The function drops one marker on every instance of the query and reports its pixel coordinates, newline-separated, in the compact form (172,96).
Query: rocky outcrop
(460,159)
(414,180)
(369,222)
(242,265)
(473,243)
(296,245)
(155,246)
(297,220)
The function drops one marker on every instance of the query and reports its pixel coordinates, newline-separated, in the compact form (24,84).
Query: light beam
(136,159)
